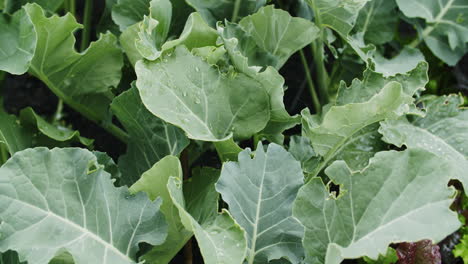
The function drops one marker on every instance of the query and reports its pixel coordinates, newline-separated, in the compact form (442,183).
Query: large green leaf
(62,199)
(378,21)
(362,104)
(221,239)
(82,80)
(17,42)
(31,120)
(268,37)
(400,196)
(446,31)
(215,10)
(150,138)
(339,15)
(260,192)
(405,61)
(154,183)
(209,105)
(443,131)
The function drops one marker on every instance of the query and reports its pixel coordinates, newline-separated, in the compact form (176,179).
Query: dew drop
(197,100)
(184,93)
(197,69)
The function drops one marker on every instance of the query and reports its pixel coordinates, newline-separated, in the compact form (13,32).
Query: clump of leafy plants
(232,132)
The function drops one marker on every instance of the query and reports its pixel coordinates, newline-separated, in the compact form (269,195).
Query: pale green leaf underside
(221,240)
(260,192)
(377,206)
(150,138)
(61,199)
(443,131)
(184,90)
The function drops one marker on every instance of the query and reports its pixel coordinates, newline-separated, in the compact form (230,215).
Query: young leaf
(227,150)
(82,80)
(150,138)
(268,37)
(461,250)
(221,240)
(207,104)
(389,258)
(376,206)
(443,131)
(405,61)
(154,183)
(260,192)
(446,31)
(214,10)
(61,199)
(378,21)
(31,120)
(154,29)
(196,34)
(17,42)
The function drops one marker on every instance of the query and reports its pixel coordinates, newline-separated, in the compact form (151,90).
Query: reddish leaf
(422,252)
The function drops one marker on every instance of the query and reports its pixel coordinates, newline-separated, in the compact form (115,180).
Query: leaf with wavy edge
(82,80)
(363,103)
(62,199)
(207,104)
(260,192)
(443,131)
(377,206)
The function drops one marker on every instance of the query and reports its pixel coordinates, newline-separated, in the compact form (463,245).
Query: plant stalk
(72,7)
(310,83)
(3,153)
(88,10)
(109,127)
(235,12)
(322,75)
(188,247)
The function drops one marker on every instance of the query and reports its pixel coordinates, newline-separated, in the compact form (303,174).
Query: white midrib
(257,216)
(106,244)
(427,31)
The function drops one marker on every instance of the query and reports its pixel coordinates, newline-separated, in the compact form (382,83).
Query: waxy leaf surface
(62,199)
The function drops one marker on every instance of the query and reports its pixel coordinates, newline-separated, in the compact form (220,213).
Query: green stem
(3,153)
(424,34)
(109,127)
(235,12)
(58,112)
(310,83)
(322,75)
(88,10)
(72,7)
